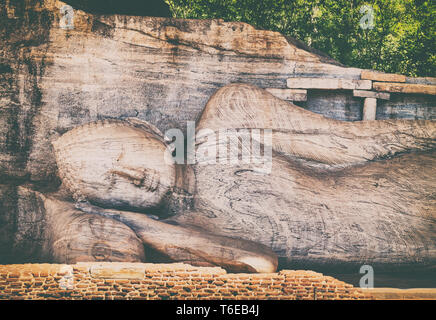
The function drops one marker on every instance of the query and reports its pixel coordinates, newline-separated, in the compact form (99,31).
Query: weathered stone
(194,245)
(122,175)
(122,66)
(164,71)
(289,94)
(339,156)
(405,87)
(117,271)
(72,235)
(369,109)
(325,83)
(380,76)
(371,94)
(422,80)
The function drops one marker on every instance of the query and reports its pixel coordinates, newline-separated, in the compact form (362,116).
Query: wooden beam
(371,94)
(380,76)
(329,83)
(405,87)
(289,94)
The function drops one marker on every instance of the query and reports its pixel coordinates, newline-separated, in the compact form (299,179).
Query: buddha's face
(114,164)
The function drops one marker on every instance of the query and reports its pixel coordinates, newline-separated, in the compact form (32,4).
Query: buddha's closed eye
(143,178)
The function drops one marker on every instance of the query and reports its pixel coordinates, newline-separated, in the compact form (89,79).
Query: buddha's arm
(194,245)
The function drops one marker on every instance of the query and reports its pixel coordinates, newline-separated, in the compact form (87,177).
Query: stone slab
(369,109)
(405,87)
(115,270)
(289,94)
(371,94)
(421,80)
(329,83)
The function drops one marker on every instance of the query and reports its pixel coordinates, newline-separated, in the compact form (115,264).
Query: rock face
(340,192)
(156,69)
(336,192)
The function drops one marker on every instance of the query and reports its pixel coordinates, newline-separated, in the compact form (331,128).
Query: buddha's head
(115,164)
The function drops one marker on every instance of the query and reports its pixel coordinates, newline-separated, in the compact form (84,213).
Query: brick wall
(164,281)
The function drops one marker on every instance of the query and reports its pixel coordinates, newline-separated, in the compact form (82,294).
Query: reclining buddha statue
(335,192)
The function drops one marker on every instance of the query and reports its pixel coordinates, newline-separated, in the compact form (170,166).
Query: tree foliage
(402,40)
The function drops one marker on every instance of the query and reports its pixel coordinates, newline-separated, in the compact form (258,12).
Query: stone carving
(115,164)
(73,235)
(338,192)
(121,164)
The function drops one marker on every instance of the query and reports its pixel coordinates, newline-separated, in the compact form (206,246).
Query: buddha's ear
(146,126)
